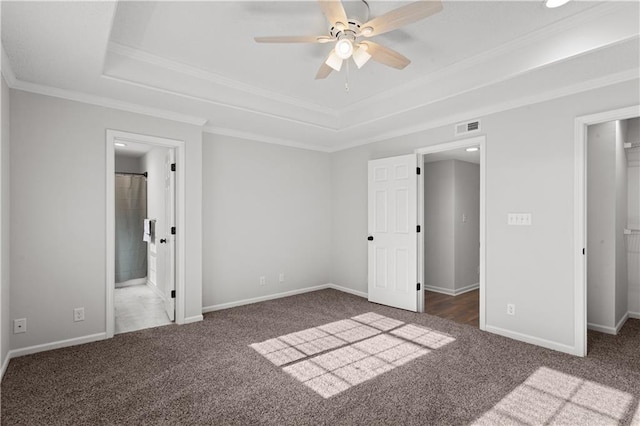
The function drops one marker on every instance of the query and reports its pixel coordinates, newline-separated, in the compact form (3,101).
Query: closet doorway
(607,225)
(144,214)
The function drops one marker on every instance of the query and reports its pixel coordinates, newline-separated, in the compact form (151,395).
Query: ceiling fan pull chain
(346,82)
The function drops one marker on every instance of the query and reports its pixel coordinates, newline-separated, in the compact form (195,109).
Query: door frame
(180,260)
(448,146)
(580,217)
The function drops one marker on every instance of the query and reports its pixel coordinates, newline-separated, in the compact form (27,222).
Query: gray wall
(528,170)
(153,164)
(601,223)
(58,226)
(266,210)
(439,212)
(622,287)
(633,216)
(607,274)
(467,234)
(128,164)
(5,319)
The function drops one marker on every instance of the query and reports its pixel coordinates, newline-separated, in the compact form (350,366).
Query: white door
(393,238)
(170,222)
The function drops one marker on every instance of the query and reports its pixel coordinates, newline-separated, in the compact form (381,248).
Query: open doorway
(143,217)
(451,211)
(144,212)
(613,224)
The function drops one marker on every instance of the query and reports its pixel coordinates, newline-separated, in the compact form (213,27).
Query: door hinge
(173,294)
(173,167)
(418,287)
(418,228)
(418,170)
(173,230)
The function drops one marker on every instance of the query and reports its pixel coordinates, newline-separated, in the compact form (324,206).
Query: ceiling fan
(350,36)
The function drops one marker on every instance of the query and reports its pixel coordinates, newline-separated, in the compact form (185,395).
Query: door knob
(163,240)
(370,238)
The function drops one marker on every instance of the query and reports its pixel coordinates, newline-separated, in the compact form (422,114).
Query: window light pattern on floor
(551,397)
(333,357)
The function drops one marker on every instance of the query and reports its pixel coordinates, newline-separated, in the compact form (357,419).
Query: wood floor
(464,308)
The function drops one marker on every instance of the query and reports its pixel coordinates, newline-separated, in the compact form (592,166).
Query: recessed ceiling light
(473,149)
(555,3)
(120,144)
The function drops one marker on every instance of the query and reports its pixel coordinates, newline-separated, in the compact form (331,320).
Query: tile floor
(138,307)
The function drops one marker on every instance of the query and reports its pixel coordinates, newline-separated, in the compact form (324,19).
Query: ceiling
(197,62)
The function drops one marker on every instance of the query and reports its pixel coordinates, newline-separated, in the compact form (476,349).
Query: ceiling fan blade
(324,71)
(334,11)
(401,16)
(293,39)
(386,56)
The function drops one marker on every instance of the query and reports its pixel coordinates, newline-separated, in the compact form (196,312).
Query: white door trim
(447,146)
(111,137)
(580,218)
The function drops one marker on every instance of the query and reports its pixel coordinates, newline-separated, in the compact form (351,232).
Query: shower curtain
(131,210)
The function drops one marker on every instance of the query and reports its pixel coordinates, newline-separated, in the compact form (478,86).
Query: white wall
(153,164)
(601,224)
(128,164)
(622,288)
(529,168)
(439,212)
(266,210)
(5,323)
(58,171)
(633,216)
(467,233)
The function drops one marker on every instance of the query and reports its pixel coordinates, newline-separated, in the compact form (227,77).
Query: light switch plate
(519,219)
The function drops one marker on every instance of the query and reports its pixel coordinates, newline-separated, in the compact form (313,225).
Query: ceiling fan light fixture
(361,56)
(334,61)
(344,48)
(551,4)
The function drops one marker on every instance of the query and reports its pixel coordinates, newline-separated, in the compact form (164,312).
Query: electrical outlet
(511,309)
(281,277)
(263,280)
(19,326)
(78,314)
(464,217)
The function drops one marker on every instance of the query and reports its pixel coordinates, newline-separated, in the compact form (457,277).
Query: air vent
(468,127)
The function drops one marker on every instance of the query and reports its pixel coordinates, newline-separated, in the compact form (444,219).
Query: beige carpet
(324,358)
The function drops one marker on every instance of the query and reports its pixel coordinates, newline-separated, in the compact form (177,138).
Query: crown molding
(212,102)
(181,68)
(265,139)
(515,45)
(633,74)
(107,102)
(5,68)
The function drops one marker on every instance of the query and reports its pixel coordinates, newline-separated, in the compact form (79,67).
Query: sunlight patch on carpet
(552,397)
(331,358)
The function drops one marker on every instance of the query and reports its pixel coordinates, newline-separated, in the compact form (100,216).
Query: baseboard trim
(610,330)
(601,328)
(14,353)
(195,318)
(348,290)
(549,344)
(634,315)
(5,364)
(274,296)
(252,300)
(455,292)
